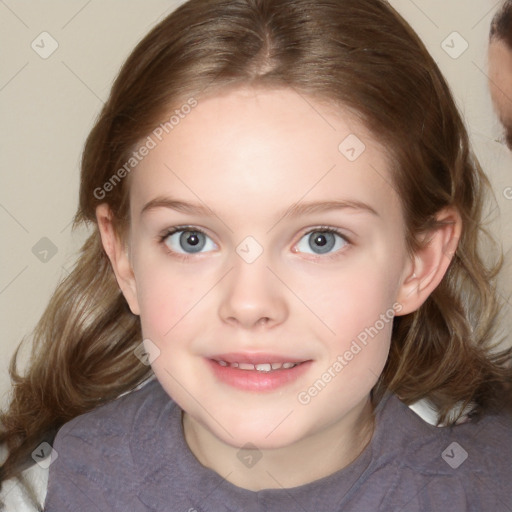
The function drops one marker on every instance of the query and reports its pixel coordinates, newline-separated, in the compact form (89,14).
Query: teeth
(265,367)
(261,367)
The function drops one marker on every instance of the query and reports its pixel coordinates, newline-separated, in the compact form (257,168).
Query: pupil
(321,242)
(192,241)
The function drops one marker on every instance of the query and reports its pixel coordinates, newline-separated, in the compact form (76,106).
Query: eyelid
(187,227)
(329,255)
(322,229)
(328,229)
(162,237)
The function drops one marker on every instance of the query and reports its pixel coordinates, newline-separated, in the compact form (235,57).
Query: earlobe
(118,256)
(429,265)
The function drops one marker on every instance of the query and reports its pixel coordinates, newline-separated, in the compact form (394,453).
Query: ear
(428,266)
(117,253)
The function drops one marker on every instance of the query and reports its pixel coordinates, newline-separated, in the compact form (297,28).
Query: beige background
(47,107)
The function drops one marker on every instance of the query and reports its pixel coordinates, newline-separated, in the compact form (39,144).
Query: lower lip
(254,380)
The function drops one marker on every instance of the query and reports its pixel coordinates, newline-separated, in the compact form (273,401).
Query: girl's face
(265,229)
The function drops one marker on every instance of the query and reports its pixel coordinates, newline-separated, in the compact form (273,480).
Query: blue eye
(188,241)
(322,241)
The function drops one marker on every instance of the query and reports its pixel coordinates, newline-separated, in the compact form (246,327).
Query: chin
(265,435)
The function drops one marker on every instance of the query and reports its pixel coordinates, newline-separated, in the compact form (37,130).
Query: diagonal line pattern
(280,423)
(14,218)
(483,17)
(490,80)
(286,490)
(508,505)
(213,213)
(75,15)
(387,181)
(424,14)
(13,13)
(13,279)
(82,492)
(225,478)
(66,226)
(306,193)
(313,108)
(198,301)
(71,71)
(14,76)
(417,494)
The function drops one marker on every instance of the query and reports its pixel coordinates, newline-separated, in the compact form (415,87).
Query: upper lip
(256,358)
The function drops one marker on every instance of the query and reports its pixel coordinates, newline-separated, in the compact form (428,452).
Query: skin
(500,83)
(248,155)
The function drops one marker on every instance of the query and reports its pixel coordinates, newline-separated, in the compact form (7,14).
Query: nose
(252,296)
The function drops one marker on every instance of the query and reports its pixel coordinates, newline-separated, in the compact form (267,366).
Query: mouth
(260,367)
(257,372)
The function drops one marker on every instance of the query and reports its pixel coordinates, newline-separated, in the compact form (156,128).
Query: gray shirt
(130,455)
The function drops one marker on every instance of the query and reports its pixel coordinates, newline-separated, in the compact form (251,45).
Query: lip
(258,381)
(255,358)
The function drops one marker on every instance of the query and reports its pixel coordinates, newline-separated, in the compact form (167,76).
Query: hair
(501,24)
(501,30)
(358,54)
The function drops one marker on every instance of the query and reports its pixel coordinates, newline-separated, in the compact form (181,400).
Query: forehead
(248,146)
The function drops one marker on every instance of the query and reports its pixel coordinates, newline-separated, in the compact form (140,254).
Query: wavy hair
(359,54)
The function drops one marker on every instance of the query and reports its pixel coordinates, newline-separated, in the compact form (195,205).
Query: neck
(326,451)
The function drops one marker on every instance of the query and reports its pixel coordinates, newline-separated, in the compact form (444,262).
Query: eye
(322,241)
(188,241)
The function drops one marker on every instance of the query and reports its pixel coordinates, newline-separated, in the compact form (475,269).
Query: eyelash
(333,255)
(162,238)
(321,229)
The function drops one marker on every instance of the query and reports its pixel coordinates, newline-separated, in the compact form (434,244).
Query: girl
(285,253)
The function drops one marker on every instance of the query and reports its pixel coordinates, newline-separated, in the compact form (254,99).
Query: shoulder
(481,445)
(98,452)
(115,418)
(470,462)
(110,432)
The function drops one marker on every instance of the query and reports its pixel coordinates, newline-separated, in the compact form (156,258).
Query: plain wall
(48,105)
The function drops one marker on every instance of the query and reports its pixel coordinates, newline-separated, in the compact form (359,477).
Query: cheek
(356,296)
(164,298)
(358,306)
(362,322)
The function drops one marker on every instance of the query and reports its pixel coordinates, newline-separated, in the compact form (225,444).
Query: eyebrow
(295,210)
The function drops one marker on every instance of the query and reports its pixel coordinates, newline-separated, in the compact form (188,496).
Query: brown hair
(357,53)
(501,24)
